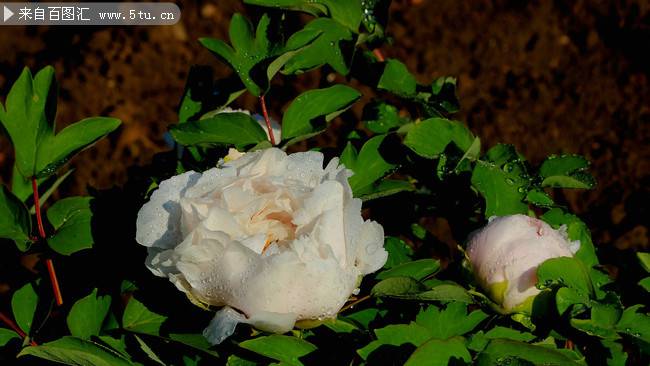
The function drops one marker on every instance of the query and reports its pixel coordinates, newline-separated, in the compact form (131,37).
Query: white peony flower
(506,253)
(274,238)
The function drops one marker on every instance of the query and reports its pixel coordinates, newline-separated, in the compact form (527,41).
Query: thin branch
(12,325)
(265,113)
(56,289)
(354,303)
(380,56)
(37,208)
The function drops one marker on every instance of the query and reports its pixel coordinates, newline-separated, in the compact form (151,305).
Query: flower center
(277,224)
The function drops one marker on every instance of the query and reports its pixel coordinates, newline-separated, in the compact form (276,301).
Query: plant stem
(10,323)
(41,232)
(265,113)
(352,304)
(380,56)
(568,344)
(37,208)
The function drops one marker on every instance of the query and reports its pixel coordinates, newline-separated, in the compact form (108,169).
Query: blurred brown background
(547,76)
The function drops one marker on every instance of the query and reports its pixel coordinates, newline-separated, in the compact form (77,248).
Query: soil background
(547,76)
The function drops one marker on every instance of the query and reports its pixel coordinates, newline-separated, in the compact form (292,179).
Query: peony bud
(505,254)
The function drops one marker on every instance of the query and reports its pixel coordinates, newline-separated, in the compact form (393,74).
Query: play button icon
(7,13)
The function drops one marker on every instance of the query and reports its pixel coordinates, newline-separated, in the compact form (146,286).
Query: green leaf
(203,97)
(280,348)
(234,360)
(127,287)
(191,104)
(593,329)
(471,154)
(480,340)
(509,333)
(298,42)
(196,341)
(502,180)
(148,351)
(242,56)
(340,325)
(397,79)
(23,304)
(504,351)
(636,325)
(29,120)
(386,187)
(310,111)
(382,117)
(398,252)
(539,198)
(645,283)
(440,352)
(368,165)
(418,269)
(75,351)
(430,137)
(116,344)
(566,297)
(364,317)
(29,116)
(7,335)
(604,316)
(71,218)
(452,321)
(16,223)
(396,286)
(328,48)
(616,357)
(443,97)
(576,230)
(446,292)
(396,335)
(253,56)
(235,128)
(568,171)
(564,271)
(137,318)
(56,150)
(345,12)
(644,259)
(87,315)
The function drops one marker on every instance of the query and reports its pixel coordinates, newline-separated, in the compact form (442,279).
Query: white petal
(158,223)
(212,180)
(371,254)
(305,167)
(272,322)
(321,217)
(223,325)
(220,219)
(315,289)
(225,321)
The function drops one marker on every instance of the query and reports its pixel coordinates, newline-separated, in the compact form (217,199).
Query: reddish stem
(265,113)
(569,344)
(41,231)
(37,207)
(56,289)
(10,323)
(380,56)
